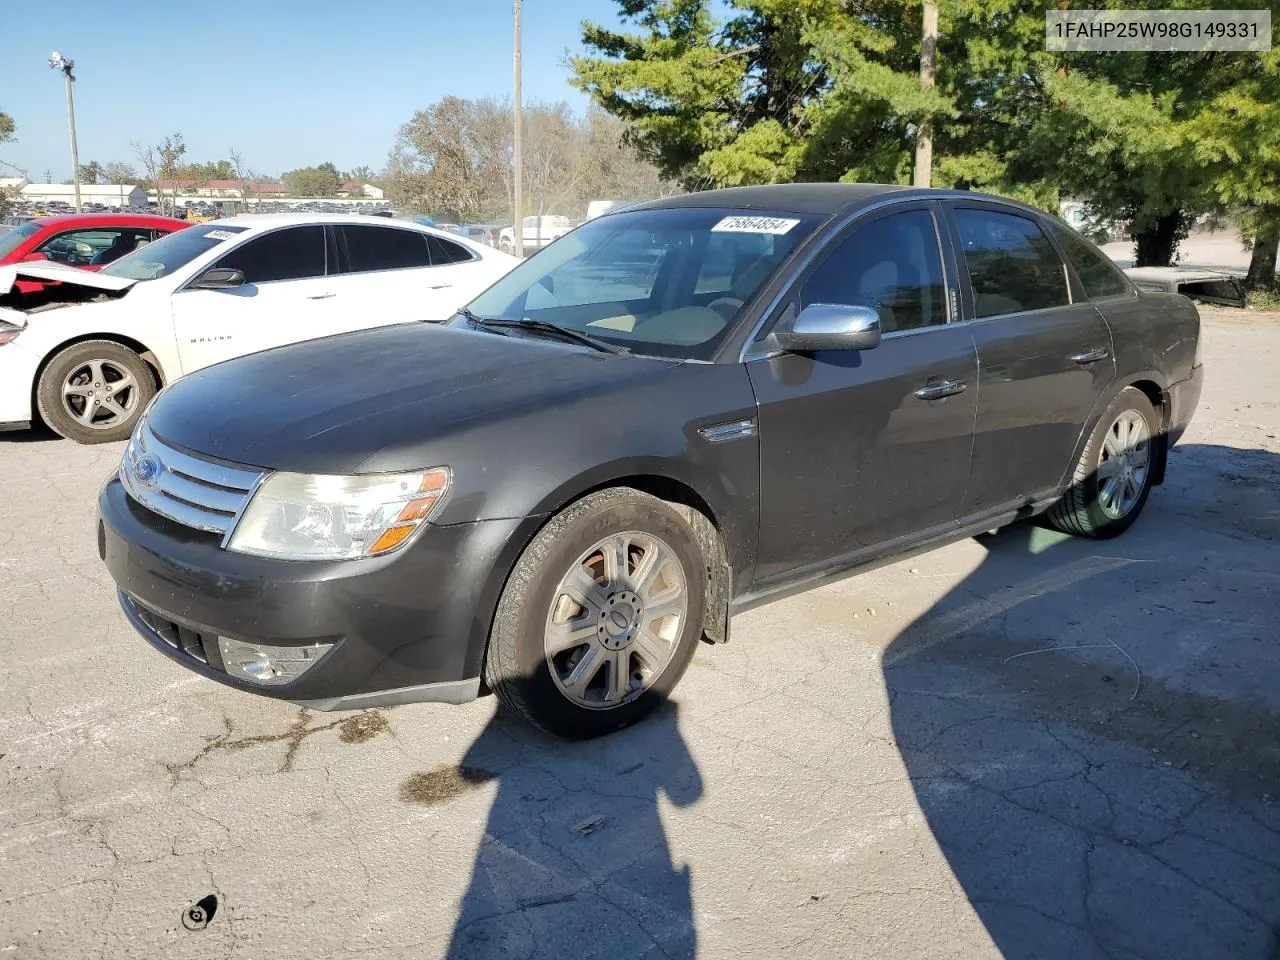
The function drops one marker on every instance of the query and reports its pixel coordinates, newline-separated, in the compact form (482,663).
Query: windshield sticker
(775,225)
(221,234)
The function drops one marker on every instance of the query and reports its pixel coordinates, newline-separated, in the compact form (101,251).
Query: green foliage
(322,180)
(91,172)
(829,90)
(6,127)
(213,170)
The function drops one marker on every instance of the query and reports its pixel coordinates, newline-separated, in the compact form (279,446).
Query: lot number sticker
(774,225)
(221,235)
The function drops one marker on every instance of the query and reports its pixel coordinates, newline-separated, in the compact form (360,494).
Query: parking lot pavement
(1021,745)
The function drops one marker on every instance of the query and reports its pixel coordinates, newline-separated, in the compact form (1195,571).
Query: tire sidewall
(49,389)
(551,560)
(1128,399)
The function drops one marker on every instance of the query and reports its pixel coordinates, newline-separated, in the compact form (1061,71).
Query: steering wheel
(733,303)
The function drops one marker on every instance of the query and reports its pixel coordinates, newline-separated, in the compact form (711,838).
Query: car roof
(267,221)
(819,198)
(109,220)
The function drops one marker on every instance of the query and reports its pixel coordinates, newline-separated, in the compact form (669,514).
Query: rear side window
(384,248)
(446,251)
(1012,265)
(892,265)
(294,253)
(1101,277)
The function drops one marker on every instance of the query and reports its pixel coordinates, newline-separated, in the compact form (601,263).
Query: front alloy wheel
(615,620)
(600,616)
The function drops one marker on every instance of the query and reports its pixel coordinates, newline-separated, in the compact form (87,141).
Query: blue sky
(288,82)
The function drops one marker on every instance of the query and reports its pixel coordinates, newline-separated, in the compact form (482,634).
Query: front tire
(1112,479)
(94,392)
(600,616)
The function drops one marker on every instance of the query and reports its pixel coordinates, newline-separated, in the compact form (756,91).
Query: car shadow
(1092,728)
(574,861)
(36,433)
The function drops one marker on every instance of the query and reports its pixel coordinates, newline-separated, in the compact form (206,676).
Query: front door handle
(938,389)
(321,296)
(440,286)
(1091,355)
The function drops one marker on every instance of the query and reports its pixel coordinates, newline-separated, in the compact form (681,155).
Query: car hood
(332,405)
(64,274)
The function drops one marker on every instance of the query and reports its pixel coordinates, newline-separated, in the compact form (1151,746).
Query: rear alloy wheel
(95,391)
(601,615)
(1113,477)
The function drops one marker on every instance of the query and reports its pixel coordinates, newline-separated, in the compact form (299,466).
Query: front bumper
(410,626)
(1184,397)
(17,380)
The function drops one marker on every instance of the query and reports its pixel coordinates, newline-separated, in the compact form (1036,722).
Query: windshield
(669,283)
(170,253)
(10,241)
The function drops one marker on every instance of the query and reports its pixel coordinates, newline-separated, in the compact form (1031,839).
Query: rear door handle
(1091,355)
(321,296)
(940,389)
(440,286)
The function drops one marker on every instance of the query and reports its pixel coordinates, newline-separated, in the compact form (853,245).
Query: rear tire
(582,644)
(1112,479)
(95,391)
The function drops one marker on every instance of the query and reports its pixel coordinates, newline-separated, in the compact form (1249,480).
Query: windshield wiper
(541,326)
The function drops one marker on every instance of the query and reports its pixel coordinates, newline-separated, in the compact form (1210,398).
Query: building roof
(251,186)
(86,189)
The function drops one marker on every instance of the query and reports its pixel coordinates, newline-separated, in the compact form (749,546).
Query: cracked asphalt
(1020,745)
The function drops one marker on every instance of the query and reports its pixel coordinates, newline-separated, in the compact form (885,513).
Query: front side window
(893,265)
(294,253)
(668,282)
(1101,277)
(384,248)
(1012,265)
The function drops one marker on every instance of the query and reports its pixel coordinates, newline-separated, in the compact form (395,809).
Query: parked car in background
(490,234)
(89,241)
(1207,286)
(538,233)
(597,208)
(87,355)
(678,411)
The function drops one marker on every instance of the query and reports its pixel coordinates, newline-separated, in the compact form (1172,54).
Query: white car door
(388,273)
(286,297)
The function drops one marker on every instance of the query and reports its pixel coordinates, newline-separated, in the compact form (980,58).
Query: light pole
(518,161)
(59,62)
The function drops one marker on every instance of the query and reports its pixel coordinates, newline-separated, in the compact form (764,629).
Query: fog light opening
(269,664)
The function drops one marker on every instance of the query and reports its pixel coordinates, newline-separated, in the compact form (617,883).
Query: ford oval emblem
(146,470)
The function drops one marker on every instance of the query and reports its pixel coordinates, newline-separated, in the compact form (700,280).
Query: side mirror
(830,326)
(35,257)
(217,278)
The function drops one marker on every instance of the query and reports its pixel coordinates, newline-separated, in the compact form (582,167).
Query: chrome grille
(188,490)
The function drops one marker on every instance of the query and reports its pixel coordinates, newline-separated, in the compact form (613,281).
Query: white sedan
(86,355)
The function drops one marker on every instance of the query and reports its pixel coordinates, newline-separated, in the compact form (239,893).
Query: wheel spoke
(619,675)
(647,569)
(570,634)
(1112,443)
(1130,491)
(1107,494)
(76,389)
(1140,456)
(95,372)
(584,671)
(124,383)
(652,649)
(1107,469)
(580,586)
(615,560)
(666,604)
(86,415)
(110,405)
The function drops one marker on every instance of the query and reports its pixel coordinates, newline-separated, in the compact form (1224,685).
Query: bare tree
(161,162)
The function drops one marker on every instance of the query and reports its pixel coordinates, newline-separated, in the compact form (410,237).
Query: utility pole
(517,227)
(928,61)
(59,62)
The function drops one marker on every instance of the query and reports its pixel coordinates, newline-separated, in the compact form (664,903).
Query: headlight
(9,333)
(297,516)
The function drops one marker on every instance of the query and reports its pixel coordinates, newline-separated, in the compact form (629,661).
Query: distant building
(366,190)
(224,189)
(107,194)
(12,184)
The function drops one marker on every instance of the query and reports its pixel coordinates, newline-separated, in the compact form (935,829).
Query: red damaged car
(86,240)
